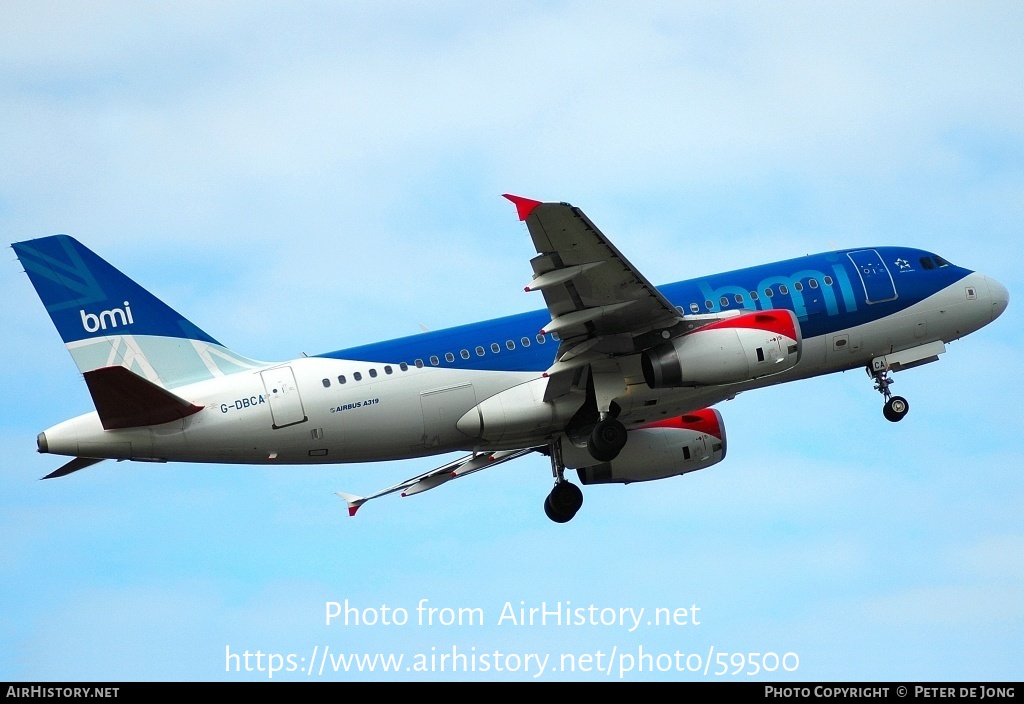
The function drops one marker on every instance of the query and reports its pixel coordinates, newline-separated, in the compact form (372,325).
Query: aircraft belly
(441,411)
(389,429)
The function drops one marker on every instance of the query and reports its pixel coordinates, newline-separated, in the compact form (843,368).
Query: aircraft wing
(598,301)
(591,290)
(464,466)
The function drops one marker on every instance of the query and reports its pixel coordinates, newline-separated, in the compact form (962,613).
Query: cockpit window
(940,261)
(927,263)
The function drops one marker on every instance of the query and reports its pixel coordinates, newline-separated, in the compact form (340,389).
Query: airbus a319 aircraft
(615,378)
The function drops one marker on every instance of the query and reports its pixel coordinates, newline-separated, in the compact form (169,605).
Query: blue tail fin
(106,319)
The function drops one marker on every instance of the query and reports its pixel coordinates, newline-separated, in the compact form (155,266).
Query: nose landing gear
(895,406)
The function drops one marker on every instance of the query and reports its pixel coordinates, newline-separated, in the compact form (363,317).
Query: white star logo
(902,263)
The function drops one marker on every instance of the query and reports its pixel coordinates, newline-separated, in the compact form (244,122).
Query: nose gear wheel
(895,407)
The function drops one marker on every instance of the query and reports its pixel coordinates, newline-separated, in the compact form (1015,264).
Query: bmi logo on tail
(92,322)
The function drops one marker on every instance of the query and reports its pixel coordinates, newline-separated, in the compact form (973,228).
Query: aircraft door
(874,275)
(283,396)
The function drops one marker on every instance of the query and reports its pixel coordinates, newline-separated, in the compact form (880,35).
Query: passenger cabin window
(434,360)
(813,283)
(541,339)
(419,363)
(694,308)
(769,292)
(495,348)
(327,383)
(798,286)
(525,342)
(479,351)
(449,357)
(783,289)
(554,336)
(753,295)
(724,301)
(464,354)
(388,370)
(709,305)
(404,367)
(511,345)
(373,373)
(341,378)
(357,376)
(827,280)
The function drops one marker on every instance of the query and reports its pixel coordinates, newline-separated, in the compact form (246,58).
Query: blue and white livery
(615,378)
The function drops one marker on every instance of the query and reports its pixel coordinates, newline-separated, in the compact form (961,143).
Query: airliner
(614,378)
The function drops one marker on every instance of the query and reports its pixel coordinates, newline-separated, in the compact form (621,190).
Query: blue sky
(302,178)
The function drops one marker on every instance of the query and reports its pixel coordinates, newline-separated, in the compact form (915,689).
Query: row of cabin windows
(449,357)
(358,376)
(768,293)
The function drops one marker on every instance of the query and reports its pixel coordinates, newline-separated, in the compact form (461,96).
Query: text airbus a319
(615,378)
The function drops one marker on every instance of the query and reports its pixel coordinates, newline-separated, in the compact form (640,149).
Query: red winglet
(524,206)
(352,510)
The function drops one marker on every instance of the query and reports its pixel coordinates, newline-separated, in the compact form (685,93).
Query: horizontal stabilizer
(72,466)
(126,400)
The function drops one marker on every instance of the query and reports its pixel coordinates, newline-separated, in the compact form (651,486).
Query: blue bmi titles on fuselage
(812,283)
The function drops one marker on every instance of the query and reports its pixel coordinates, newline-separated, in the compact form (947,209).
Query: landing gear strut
(565,498)
(895,406)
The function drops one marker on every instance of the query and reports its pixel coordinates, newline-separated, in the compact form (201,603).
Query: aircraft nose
(999,295)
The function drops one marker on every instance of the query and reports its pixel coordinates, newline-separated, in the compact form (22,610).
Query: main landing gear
(565,498)
(607,440)
(895,406)
(604,443)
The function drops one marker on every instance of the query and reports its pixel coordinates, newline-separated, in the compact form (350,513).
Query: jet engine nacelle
(736,349)
(658,450)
